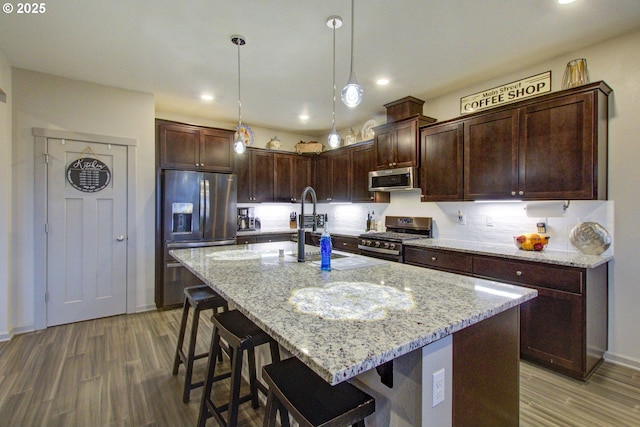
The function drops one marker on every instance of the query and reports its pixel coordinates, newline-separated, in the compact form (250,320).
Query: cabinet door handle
(434,258)
(518,273)
(513,193)
(390,164)
(520,192)
(344,243)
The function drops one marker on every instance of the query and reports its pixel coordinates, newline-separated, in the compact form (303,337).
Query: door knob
(120,238)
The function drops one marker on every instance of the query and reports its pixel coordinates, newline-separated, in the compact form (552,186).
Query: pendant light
(334,139)
(352,91)
(238,145)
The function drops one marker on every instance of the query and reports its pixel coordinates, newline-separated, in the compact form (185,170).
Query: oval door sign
(88,174)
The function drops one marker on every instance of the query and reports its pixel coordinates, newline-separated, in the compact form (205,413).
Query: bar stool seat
(200,298)
(241,335)
(312,401)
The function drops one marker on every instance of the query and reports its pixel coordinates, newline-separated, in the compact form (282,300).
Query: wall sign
(511,92)
(88,174)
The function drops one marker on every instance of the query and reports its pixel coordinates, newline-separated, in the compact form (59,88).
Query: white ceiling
(180,49)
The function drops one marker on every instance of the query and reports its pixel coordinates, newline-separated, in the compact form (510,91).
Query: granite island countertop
(347,321)
(570,259)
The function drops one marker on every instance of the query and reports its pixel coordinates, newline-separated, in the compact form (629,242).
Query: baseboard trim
(6,336)
(143,308)
(622,360)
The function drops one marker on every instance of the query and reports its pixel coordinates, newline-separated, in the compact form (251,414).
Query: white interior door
(86,236)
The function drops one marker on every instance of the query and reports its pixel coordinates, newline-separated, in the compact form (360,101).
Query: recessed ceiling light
(303,117)
(565,1)
(206,97)
(382,82)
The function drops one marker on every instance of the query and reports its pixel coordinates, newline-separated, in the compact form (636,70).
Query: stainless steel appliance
(246,220)
(393,179)
(388,244)
(198,209)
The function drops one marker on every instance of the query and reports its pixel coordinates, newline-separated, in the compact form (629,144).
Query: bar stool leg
(270,411)
(190,357)
(252,378)
(183,328)
(234,400)
(208,382)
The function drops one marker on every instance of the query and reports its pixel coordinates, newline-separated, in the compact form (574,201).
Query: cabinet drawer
(345,244)
(450,261)
(241,240)
(557,278)
(284,237)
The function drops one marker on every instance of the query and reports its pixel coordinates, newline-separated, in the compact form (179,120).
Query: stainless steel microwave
(393,179)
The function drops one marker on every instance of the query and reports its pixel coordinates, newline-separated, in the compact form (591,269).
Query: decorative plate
(590,238)
(367,129)
(245,133)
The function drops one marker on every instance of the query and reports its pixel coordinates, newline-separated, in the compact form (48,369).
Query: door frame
(41,136)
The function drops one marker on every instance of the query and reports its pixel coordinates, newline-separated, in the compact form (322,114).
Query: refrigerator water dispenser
(182,217)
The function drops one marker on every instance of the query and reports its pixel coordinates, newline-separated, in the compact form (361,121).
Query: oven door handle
(379,250)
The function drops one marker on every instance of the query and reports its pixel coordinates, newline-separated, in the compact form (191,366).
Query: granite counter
(570,259)
(347,321)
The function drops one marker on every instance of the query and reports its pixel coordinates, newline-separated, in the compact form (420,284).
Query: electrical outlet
(438,387)
(462,218)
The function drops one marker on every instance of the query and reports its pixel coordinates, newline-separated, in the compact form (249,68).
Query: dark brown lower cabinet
(550,334)
(338,242)
(565,327)
(264,238)
(493,398)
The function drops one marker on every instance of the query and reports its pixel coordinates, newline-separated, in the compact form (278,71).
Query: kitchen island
(366,313)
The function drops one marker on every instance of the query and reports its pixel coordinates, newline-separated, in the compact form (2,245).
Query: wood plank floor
(117,372)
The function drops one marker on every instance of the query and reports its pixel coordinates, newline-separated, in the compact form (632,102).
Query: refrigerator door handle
(207,202)
(202,206)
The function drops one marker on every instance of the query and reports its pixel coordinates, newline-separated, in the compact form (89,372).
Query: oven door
(381,253)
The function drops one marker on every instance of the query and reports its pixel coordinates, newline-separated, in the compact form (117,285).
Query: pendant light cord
(239,43)
(352,21)
(333,121)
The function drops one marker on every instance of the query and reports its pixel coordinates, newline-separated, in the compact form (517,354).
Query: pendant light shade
(334,138)
(352,92)
(238,144)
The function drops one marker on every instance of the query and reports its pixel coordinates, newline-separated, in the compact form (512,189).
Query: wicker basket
(309,147)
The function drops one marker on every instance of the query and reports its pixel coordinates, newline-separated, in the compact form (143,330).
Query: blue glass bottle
(325,248)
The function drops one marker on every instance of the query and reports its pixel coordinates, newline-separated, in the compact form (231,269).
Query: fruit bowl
(531,242)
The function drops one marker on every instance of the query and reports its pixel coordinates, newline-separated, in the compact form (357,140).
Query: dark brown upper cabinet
(491,156)
(397,144)
(255,171)
(552,147)
(441,159)
(292,173)
(332,176)
(562,151)
(188,147)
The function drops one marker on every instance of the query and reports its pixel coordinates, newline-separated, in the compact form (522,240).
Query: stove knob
(392,246)
(386,245)
(363,242)
(368,243)
(377,244)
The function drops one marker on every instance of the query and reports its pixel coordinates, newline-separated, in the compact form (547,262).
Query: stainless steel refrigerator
(198,209)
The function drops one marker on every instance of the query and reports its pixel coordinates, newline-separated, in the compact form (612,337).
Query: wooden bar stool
(312,401)
(241,335)
(201,298)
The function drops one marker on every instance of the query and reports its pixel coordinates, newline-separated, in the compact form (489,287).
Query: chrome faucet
(301,226)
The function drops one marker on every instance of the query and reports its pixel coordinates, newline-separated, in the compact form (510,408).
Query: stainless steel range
(388,245)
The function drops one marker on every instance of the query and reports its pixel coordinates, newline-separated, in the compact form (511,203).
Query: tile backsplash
(495,222)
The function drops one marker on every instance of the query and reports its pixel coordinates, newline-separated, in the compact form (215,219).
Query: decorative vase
(575,74)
